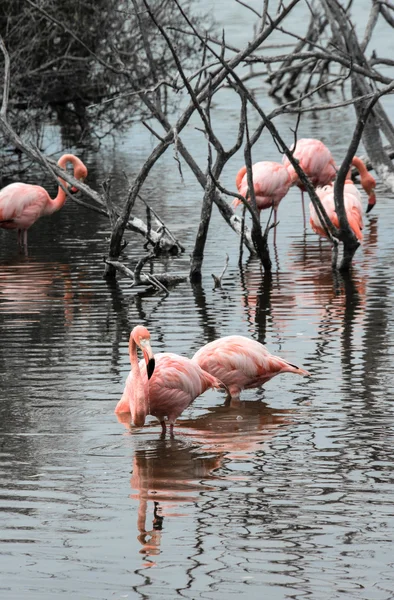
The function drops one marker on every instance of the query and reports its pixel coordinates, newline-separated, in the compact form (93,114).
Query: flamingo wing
(315,160)
(354,214)
(353,210)
(175,383)
(234,359)
(271,182)
(241,363)
(22,203)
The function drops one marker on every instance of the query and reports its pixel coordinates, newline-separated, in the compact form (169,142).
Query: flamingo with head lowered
(315,159)
(367,181)
(21,204)
(353,209)
(242,363)
(271,182)
(317,162)
(163,385)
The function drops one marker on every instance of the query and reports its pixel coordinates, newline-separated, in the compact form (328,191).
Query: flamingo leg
(275,219)
(22,240)
(163,428)
(303,208)
(172,430)
(25,240)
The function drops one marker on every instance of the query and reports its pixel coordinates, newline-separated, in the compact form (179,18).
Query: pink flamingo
(353,208)
(21,204)
(271,182)
(367,181)
(315,160)
(241,363)
(174,382)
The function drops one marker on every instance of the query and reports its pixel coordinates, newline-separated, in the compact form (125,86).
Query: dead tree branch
(218,280)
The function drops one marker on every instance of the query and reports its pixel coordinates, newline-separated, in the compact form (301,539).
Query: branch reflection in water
(338,300)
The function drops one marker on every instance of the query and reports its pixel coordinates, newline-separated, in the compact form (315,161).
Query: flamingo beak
(150,367)
(371,202)
(149,358)
(236,202)
(73,189)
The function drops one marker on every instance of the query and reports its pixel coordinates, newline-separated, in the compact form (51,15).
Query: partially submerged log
(147,281)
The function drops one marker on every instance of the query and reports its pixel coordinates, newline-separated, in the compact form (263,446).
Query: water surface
(285,494)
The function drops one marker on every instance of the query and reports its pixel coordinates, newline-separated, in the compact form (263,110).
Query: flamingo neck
(139,400)
(240,176)
(57,203)
(349,177)
(360,166)
(366,179)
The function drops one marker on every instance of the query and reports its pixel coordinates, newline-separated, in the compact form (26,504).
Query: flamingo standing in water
(21,204)
(315,160)
(367,181)
(271,182)
(241,363)
(353,208)
(163,385)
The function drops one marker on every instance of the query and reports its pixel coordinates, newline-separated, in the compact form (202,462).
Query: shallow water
(285,494)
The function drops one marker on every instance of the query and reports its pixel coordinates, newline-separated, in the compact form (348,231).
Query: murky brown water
(286,494)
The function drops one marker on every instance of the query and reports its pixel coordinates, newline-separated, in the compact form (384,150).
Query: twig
(218,280)
(249,8)
(6,89)
(140,264)
(152,279)
(120,267)
(106,185)
(170,235)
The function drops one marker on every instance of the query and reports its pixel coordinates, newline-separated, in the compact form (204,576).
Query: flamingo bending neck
(367,181)
(80,172)
(139,396)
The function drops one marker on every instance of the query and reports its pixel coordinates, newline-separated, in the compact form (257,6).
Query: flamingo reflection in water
(176,471)
(29,288)
(319,288)
(336,303)
(167,474)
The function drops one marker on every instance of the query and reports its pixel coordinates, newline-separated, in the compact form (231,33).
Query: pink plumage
(175,383)
(353,208)
(271,182)
(21,204)
(315,160)
(367,182)
(241,363)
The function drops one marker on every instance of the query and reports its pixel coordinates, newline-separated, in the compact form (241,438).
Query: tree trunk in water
(202,233)
(260,243)
(371,137)
(349,249)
